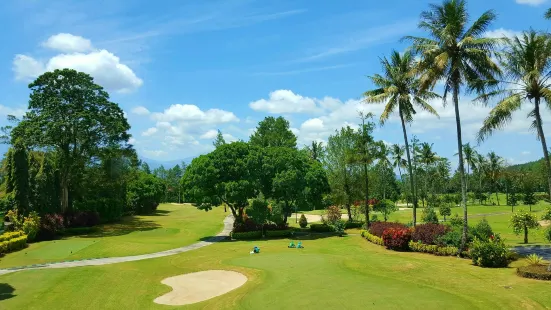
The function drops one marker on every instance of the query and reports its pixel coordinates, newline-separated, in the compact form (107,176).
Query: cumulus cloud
(140,110)
(192,113)
(502,33)
(105,67)
(67,43)
(149,132)
(285,101)
(211,134)
(531,2)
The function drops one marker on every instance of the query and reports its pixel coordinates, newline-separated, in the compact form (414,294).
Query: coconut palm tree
(428,158)
(480,164)
(526,62)
(468,155)
(397,157)
(398,88)
(493,170)
(458,55)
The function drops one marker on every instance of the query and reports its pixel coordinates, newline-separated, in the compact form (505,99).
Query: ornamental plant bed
(377,228)
(538,272)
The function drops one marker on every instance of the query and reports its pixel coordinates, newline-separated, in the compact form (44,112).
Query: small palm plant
(534,259)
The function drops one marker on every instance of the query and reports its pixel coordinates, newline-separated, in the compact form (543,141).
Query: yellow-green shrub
(10,235)
(372,238)
(13,244)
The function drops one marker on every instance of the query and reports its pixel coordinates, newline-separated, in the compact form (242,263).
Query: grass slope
(330,273)
(170,227)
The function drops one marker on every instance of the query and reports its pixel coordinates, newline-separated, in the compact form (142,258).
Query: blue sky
(183,69)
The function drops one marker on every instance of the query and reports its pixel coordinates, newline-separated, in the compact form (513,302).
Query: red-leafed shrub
(429,233)
(82,219)
(246,226)
(50,226)
(397,239)
(377,228)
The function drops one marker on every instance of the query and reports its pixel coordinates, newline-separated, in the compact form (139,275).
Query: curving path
(228,225)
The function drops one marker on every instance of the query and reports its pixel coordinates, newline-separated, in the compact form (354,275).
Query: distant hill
(529,166)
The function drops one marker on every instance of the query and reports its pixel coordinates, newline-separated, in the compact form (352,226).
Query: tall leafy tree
(18,177)
(316,150)
(71,115)
(273,132)
(459,55)
(526,62)
(219,140)
(398,88)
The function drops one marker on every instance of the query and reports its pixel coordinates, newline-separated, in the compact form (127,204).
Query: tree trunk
(461,166)
(64,193)
(543,143)
(525,234)
(348,210)
(497,197)
(410,169)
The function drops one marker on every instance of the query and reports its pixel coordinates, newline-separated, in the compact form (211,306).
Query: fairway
(170,227)
(330,273)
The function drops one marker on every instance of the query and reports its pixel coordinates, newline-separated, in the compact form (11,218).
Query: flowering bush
(31,225)
(397,238)
(429,233)
(333,214)
(489,253)
(377,228)
(51,225)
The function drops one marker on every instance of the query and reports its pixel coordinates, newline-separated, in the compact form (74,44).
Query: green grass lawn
(171,227)
(330,273)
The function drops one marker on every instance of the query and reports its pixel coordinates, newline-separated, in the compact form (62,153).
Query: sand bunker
(312,218)
(544,223)
(200,286)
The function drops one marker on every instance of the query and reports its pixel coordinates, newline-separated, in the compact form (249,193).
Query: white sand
(312,218)
(544,223)
(199,286)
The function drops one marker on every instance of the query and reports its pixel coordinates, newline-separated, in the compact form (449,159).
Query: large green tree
(460,56)
(273,132)
(72,116)
(526,62)
(398,88)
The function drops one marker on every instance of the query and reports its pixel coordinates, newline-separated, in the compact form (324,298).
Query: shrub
(372,238)
(13,244)
(82,219)
(245,226)
(541,196)
(539,272)
(445,210)
(320,228)
(349,225)
(276,227)
(397,238)
(456,221)
(374,218)
(429,233)
(277,233)
(378,228)
(547,234)
(31,225)
(534,259)
(433,249)
(483,230)
(303,222)
(489,253)
(547,214)
(51,225)
(333,214)
(339,226)
(10,235)
(453,237)
(246,235)
(429,215)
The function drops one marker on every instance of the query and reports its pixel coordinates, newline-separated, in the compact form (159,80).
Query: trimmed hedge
(11,235)
(372,238)
(433,249)
(13,244)
(278,233)
(538,272)
(321,228)
(353,225)
(246,235)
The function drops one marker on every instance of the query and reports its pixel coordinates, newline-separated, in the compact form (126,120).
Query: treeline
(70,155)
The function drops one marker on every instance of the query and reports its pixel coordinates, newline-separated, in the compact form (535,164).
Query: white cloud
(192,113)
(67,43)
(149,132)
(502,33)
(132,141)
(229,138)
(105,67)
(140,110)
(17,112)
(285,101)
(211,134)
(531,2)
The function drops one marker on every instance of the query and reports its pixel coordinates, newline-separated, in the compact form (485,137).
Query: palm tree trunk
(461,166)
(410,169)
(543,143)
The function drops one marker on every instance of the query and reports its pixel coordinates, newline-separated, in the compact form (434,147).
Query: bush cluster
(320,228)
(277,233)
(13,242)
(82,219)
(246,235)
(10,235)
(433,249)
(372,238)
(429,233)
(377,228)
(248,225)
(354,224)
(491,252)
(397,238)
(51,225)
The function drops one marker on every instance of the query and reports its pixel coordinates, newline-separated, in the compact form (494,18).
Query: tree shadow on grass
(126,226)
(6,291)
(160,213)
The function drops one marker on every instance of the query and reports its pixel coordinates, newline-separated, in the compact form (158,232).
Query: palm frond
(499,116)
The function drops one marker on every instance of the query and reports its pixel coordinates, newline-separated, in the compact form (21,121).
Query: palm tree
(494,168)
(526,62)
(398,88)
(459,55)
(384,161)
(469,157)
(428,158)
(480,164)
(398,161)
